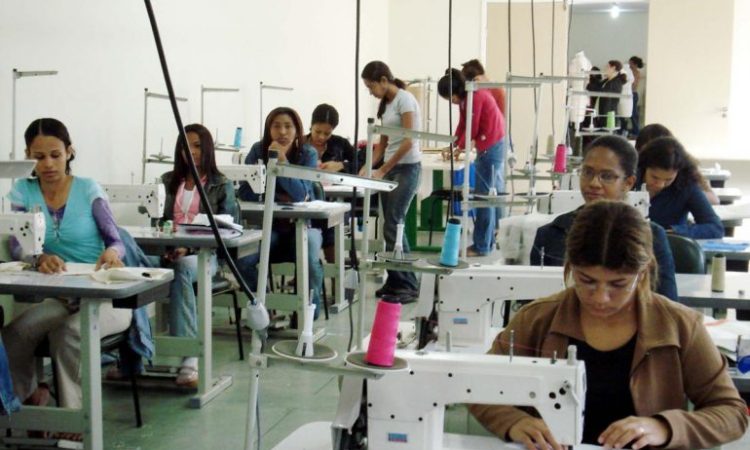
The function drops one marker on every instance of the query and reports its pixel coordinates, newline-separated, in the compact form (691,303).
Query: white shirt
(402,103)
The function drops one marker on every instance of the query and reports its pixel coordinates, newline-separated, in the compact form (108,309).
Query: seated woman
(607,172)
(657,130)
(335,154)
(673,182)
(81,229)
(645,356)
(283,133)
(182,205)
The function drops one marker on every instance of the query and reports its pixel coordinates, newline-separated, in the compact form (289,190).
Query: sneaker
(403,296)
(384,290)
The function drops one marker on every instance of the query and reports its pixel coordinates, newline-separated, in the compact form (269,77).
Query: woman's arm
(114,249)
(707,224)
(667,285)
(300,190)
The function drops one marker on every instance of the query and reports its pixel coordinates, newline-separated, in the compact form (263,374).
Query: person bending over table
(80,228)
(673,182)
(182,205)
(646,356)
(607,172)
(284,133)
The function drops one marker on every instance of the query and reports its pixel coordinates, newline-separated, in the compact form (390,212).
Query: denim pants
(489,169)
(183,304)
(283,249)
(395,204)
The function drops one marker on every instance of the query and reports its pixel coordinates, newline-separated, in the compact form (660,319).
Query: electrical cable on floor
(355,170)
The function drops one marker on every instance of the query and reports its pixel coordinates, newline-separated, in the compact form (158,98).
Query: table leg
(338,280)
(302,276)
(91,376)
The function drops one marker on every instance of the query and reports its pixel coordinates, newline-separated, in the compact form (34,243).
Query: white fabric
(125,274)
(516,235)
(625,105)
(54,318)
(579,66)
(402,103)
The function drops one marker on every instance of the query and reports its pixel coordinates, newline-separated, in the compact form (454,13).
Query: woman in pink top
(487,136)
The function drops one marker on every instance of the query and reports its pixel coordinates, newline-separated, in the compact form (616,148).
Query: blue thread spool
(743,364)
(449,252)
(238,137)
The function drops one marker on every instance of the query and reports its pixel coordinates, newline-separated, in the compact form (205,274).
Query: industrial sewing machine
(562,201)
(27,227)
(466,300)
(150,198)
(254,175)
(405,409)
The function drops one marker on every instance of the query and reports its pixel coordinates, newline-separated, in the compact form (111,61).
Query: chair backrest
(687,253)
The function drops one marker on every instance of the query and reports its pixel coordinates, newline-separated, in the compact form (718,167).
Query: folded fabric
(13,266)
(222,220)
(125,274)
(719,246)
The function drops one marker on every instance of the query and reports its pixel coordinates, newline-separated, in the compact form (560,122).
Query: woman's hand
(280,149)
(378,174)
(332,166)
(176,254)
(108,259)
(50,264)
(641,431)
(534,434)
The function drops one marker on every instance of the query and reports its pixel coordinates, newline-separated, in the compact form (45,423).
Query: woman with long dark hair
(401,159)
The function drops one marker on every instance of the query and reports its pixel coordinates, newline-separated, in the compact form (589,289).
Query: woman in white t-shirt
(401,159)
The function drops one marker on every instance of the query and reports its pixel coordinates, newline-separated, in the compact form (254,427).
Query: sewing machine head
(27,227)
(149,197)
(562,201)
(254,175)
(405,409)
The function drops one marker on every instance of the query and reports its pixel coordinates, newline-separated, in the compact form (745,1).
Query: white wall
(739,114)
(106,57)
(603,38)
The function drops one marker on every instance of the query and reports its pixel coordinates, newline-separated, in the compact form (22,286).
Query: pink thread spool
(561,154)
(384,334)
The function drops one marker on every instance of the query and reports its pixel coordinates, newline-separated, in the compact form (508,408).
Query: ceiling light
(614,11)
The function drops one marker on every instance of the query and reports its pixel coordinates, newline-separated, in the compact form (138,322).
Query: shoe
(114,374)
(384,290)
(471,252)
(187,377)
(403,296)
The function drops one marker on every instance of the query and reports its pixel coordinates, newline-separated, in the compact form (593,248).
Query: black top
(608,397)
(340,149)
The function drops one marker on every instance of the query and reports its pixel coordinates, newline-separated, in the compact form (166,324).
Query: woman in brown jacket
(645,355)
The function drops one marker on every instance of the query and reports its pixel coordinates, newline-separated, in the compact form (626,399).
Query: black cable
(355,171)
(189,157)
(533,49)
(452,200)
(552,67)
(509,92)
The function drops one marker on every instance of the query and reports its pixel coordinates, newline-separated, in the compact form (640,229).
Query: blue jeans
(283,249)
(489,166)
(395,205)
(183,320)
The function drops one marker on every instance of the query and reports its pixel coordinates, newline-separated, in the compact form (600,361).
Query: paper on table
(73,268)
(125,274)
(222,220)
(13,266)
(317,205)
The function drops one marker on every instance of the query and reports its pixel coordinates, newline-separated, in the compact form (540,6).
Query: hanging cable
(223,252)
(452,195)
(533,50)
(509,92)
(355,170)
(552,67)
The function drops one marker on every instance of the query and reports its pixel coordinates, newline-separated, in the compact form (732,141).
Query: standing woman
(401,163)
(80,228)
(612,84)
(487,135)
(182,205)
(283,133)
(673,182)
(636,64)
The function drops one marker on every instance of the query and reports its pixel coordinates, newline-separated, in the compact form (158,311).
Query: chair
(687,253)
(118,341)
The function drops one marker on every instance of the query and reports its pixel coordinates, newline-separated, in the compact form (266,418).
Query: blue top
(670,208)
(552,237)
(75,237)
(297,190)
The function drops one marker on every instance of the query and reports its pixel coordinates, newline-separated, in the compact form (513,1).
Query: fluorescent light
(614,11)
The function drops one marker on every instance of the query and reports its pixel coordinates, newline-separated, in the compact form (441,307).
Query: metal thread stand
(262,88)
(217,145)
(16,75)
(145,159)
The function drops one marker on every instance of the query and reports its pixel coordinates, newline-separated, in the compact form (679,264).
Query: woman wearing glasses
(645,356)
(607,172)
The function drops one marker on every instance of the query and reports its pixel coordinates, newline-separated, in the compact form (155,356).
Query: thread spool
(382,346)
(561,157)
(578,146)
(611,120)
(718,271)
(238,137)
(451,242)
(550,144)
(167,227)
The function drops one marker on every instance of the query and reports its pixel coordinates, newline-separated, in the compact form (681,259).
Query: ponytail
(376,70)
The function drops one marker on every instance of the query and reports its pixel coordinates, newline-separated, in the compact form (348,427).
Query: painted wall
(105,56)
(603,38)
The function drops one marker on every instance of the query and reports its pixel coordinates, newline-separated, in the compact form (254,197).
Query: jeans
(183,306)
(395,204)
(636,117)
(489,167)
(283,249)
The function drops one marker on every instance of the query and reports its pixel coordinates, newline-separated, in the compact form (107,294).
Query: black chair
(118,341)
(687,253)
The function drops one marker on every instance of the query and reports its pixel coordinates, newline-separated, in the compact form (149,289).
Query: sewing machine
(254,175)
(466,299)
(27,227)
(562,201)
(150,198)
(405,409)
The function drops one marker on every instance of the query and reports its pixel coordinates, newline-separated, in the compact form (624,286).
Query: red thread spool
(561,154)
(384,334)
